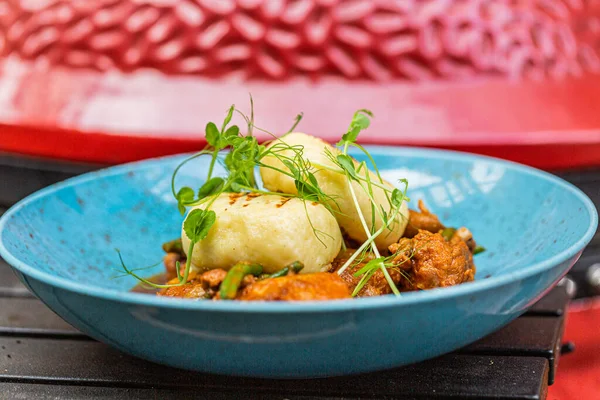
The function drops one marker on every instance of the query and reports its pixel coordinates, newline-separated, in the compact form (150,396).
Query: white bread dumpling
(269,230)
(336,186)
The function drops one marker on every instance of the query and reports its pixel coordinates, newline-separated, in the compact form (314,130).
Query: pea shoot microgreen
(184,196)
(211,187)
(245,155)
(367,271)
(361,121)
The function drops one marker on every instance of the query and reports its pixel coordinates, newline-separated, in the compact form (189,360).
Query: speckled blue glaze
(61,244)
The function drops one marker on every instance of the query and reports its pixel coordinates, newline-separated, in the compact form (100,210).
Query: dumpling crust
(336,185)
(270,230)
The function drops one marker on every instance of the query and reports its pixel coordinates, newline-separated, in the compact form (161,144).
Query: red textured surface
(578,374)
(119,80)
(275,39)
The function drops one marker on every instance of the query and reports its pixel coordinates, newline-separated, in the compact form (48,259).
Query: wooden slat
(27,391)
(553,304)
(526,336)
(93,363)
(10,286)
(28,317)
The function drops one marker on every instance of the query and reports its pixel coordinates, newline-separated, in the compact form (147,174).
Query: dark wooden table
(42,357)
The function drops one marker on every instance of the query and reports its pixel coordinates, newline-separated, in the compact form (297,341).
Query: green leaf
(372,264)
(290,165)
(198,223)
(305,191)
(367,272)
(212,134)
(232,131)
(228,116)
(397,198)
(260,150)
(404,182)
(362,118)
(241,161)
(242,146)
(384,215)
(363,281)
(210,187)
(235,187)
(185,195)
(350,137)
(360,121)
(234,141)
(312,179)
(347,165)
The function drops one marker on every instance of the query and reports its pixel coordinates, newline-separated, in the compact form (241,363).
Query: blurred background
(90,83)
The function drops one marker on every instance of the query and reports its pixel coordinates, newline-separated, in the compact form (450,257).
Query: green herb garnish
(246,155)
(395,199)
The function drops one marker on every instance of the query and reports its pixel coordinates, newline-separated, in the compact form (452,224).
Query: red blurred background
(117,80)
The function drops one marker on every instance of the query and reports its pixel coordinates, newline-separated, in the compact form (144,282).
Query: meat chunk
(423,220)
(431,261)
(466,236)
(214,277)
(193,289)
(305,287)
(376,286)
(199,286)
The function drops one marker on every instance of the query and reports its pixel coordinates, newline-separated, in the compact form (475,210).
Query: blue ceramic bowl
(61,242)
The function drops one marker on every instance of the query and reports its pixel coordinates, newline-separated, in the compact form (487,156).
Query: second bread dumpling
(335,185)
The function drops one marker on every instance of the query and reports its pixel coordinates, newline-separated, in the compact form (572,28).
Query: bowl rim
(469,288)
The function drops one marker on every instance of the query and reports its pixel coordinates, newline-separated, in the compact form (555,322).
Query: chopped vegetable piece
(173,246)
(448,233)
(282,272)
(478,249)
(234,278)
(296,267)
